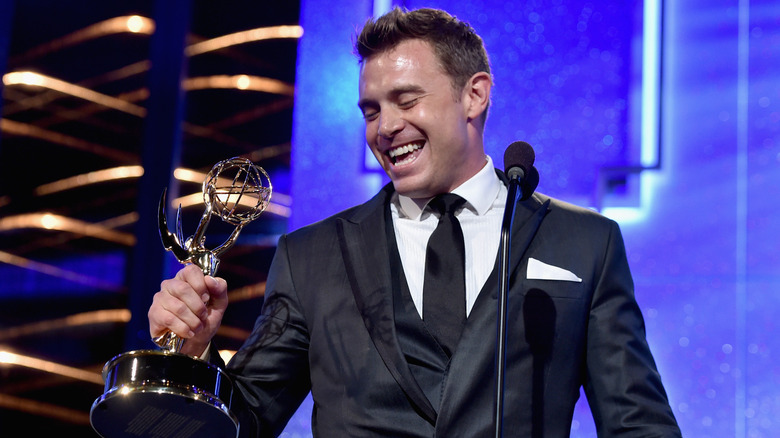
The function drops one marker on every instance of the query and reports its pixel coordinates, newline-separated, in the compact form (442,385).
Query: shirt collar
(479,191)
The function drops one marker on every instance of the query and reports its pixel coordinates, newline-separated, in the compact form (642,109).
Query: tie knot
(446,203)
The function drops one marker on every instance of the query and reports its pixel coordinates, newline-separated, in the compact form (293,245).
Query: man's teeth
(404,150)
(401,151)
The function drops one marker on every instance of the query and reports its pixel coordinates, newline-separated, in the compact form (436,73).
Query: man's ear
(476,94)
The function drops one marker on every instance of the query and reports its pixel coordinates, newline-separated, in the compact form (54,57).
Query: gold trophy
(164,393)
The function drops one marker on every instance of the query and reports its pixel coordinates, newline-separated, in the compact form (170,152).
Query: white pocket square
(542,271)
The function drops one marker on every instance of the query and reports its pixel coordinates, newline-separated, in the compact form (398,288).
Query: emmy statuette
(164,393)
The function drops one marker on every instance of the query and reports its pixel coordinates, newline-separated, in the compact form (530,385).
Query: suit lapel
(364,248)
(528,217)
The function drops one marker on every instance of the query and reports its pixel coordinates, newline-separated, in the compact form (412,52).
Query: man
(347,314)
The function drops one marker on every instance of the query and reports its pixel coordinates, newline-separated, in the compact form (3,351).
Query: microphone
(519,168)
(519,160)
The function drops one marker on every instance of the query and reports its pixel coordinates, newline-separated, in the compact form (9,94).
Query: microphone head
(519,158)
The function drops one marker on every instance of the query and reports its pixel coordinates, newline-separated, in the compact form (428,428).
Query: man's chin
(411,191)
(410,183)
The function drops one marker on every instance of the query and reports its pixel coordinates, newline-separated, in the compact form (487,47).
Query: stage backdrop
(664,117)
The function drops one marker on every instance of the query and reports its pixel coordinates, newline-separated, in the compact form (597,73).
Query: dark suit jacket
(327,326)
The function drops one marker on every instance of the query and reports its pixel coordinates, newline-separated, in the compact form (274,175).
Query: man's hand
(190,305)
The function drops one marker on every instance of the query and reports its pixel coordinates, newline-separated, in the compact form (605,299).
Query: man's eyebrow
(394,93)
(411,88)
(363,103)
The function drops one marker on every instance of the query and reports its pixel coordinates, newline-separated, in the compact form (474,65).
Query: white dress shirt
(480,220)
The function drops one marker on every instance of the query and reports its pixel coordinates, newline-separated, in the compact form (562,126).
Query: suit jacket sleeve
(622,384)
(270,371)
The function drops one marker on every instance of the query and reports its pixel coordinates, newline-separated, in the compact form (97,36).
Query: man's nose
(390,123)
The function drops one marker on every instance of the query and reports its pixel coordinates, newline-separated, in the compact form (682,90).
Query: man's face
(419,131)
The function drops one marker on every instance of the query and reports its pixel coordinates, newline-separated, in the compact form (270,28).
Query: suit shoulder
(327,227)
(575,214)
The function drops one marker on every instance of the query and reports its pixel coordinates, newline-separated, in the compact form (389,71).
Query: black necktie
(444,289)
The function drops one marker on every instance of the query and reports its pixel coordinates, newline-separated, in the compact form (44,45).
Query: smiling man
(386,312)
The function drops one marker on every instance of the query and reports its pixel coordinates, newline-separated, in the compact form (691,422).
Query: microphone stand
(503,286)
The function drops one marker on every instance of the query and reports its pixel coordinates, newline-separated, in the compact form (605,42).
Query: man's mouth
(403,154)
